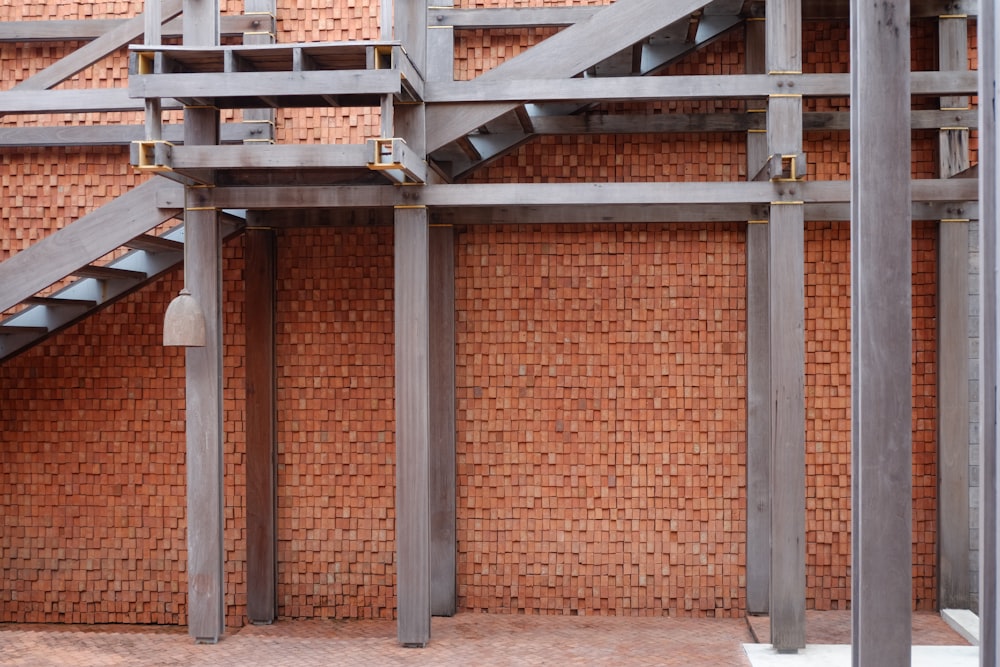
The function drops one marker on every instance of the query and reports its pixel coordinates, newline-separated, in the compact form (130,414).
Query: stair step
(151,243)
(8,329)
(54,301)
(108,273)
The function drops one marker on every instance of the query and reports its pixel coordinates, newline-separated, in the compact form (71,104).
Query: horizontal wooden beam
(222,85)
(617,89)
(533,17)
(605,195)
(681,123)
(88,29)
(278,156)
(109,135)
(93,100)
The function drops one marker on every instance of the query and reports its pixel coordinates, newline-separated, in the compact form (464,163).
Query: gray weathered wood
(263,33)
(88,29)
(223,85)
(488,92)
(106,135)
(69,101)
(83,242)
(565,54)
(87,55)
(412,342)
(260,274)
(531,17)
(444,548)
(953,349)
(881,387)
(758,365)
(961,191)
(786,300)
(203,371)
(989,461)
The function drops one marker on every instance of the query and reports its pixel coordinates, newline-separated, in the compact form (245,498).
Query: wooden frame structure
(436,131)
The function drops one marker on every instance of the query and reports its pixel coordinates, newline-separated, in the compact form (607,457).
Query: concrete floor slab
(839,655)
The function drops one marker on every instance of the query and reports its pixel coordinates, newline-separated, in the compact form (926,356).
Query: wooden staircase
(73,252)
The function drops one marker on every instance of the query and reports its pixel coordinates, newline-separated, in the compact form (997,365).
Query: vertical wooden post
(203,277)
(152,29)
(264,13)
(442,421)
(444,546)
(989,183)
(881,382)
(261,460)
(758,362)
(412,340)
(412,334)
(261,279)
(786,279)
(953,545)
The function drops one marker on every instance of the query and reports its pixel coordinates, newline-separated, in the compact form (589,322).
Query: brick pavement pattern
(466,639)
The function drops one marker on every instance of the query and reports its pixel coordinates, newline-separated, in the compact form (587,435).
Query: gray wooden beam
(412,342)
(88,29)
(222,85)
(203,398)
(953,547)
(786,300)
(952,193)
(684,123)
(488,92)
(758,364)
(532,17)
(107,135)
(90,53)
(70,101)
(989,461)
(260,275)
(881,387)
(565,54)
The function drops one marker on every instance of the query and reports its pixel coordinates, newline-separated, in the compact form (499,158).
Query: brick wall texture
(601,391)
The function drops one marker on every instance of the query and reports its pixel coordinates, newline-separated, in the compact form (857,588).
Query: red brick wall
(336,425)
(601,410)
(92,479)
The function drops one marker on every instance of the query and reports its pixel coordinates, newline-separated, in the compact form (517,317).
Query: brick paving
(466,639)
(834,627)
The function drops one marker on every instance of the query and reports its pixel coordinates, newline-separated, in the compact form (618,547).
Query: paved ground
(467,639)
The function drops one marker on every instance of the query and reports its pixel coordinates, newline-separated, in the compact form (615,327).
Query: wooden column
(758,360)
(412,340)
(444,548)
(953,346)
(786,271)
(264,13)
(260,276)
(203,277)
(881,387)
(412,336)
(261,285)
(989,182)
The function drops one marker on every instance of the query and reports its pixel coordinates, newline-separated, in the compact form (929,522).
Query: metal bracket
(392,157)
